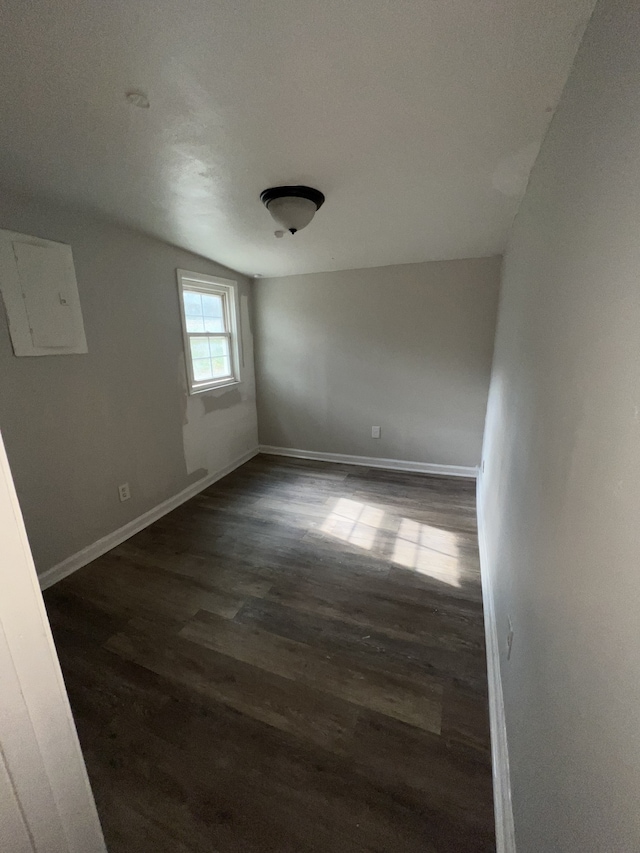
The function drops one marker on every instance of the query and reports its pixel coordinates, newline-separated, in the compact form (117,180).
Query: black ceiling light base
(309,193)
(293,208)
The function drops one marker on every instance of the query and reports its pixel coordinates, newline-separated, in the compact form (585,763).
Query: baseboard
(373,462)
(505,835)
(97,549)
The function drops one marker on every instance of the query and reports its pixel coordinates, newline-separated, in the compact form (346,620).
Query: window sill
(222,385)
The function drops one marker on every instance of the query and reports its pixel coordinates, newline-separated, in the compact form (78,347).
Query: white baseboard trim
(373,462)
(111,540)
(505,834)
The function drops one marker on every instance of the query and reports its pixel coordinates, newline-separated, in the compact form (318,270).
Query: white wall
(561,492)
(407,348)
(76,426)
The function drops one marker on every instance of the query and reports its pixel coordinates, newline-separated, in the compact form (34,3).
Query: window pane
(220,367)
(211,305)
(192,302)
(218,346)
(193,310)
(194,324)
(202,369)
(214,324)
(199,347)
(208,326)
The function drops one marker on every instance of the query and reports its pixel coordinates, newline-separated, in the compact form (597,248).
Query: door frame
(46,802)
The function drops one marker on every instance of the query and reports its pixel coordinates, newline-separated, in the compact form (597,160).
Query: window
(209,324)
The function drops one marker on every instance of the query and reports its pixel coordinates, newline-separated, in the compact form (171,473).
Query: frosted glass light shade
(292,207)
(292,213)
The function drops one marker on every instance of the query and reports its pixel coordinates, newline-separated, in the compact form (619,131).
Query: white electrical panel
(40,293)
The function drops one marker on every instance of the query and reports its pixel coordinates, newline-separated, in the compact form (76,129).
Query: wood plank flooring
(292,661)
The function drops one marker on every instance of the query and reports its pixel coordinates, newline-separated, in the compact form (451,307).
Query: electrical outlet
(375,432)
(509,639)
(123,492)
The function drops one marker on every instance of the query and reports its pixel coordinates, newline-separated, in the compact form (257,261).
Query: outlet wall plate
(375,432)
(123,492)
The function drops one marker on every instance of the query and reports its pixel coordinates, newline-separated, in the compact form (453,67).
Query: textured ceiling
(418,120)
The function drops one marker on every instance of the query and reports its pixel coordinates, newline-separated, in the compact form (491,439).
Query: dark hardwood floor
(292,661)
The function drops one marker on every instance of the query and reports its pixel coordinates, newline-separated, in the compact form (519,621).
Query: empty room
(320,426)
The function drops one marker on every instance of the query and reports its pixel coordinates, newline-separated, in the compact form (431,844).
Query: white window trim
(212,284)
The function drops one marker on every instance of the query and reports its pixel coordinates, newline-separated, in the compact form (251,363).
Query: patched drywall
(561,489)
(77,426)
(407,348)
(229,398)
(213,436)
(220,425)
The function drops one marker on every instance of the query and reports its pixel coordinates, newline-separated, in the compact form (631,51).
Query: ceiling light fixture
(292,207)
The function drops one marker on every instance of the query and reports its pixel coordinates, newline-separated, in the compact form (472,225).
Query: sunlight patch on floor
(427,550)
(354,522)
(422,548)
